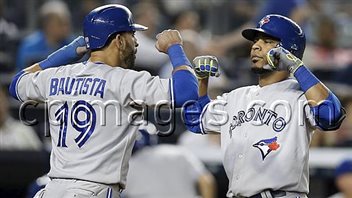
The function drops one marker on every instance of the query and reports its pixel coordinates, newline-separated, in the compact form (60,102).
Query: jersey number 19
(85,127)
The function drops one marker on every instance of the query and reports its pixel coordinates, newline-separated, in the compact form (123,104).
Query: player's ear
(119,41)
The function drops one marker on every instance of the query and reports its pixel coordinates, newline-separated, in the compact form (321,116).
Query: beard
(130,61)
(260,70)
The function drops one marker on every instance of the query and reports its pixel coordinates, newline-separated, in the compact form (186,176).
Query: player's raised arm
(204,67)
(184,83)
(65,55)
(325,106)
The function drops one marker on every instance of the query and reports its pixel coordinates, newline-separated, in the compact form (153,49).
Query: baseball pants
(71,188)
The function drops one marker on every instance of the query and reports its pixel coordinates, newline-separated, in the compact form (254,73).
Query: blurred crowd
(30,30)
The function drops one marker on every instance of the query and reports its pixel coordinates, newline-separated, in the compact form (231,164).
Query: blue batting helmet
(345,167)
(104,21)
(282,28)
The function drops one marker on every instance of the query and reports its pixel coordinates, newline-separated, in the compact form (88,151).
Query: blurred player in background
(166,170)
(343,179)
(14,135)
(54,32)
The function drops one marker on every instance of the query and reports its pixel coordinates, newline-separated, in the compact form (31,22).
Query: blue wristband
(305,78)
(177,56)
(64,55)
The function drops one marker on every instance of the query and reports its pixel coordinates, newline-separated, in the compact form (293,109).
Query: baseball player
(266,129)
(91,104)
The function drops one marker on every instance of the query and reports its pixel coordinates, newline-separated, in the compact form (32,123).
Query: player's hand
(205,66)
(167,38)
(80,45)
(281,59)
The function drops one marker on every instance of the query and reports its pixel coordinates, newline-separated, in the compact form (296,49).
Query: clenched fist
(205,66)
(167,38)
(281,59)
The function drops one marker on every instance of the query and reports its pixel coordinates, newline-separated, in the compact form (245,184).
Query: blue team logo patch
(266,146)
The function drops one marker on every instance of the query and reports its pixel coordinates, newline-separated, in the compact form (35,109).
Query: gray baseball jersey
(164,171)
(90,116)
(265,137)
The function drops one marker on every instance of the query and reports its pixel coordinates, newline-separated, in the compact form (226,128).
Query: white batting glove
(281,59)
(205,66)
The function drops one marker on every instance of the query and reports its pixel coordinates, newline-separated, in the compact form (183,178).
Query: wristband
(305,78)
(177,56)
(64,55)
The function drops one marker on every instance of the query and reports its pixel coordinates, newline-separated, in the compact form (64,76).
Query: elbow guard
(329,114)
(192,112)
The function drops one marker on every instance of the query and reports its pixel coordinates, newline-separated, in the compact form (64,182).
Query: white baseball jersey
(265,137)
(164,171)
(90,114)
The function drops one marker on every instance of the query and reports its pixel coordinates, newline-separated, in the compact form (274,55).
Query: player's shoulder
(291,83)
(130,74)
(290,86)
(69,68)
(241,90)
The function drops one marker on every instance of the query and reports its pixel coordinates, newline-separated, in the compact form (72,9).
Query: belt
(269,194)
(117,186)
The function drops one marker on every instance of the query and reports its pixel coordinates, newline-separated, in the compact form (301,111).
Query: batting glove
(205,66)
(281,59)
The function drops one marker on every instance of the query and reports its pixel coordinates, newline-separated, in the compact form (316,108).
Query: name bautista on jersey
(77,86)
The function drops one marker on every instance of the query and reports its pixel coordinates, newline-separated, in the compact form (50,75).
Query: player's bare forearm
(203,86)
(32,69)
(316,94)
(207,186)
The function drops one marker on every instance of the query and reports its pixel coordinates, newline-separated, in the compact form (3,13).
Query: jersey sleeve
(214,115)
(141,86)
(33,86)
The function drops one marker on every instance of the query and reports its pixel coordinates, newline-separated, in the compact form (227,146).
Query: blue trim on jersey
(305,78)
(14,83)
(202,130)
(192,112)
(64,55)
(185,87)
(109,194)
(177,56)
(172,95)
(329,114)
